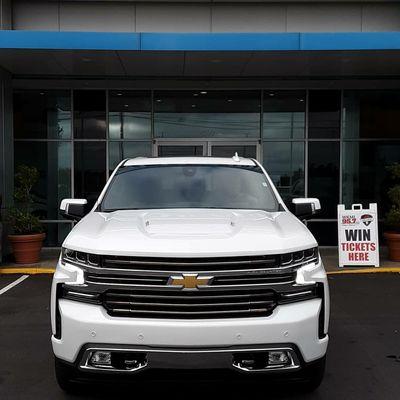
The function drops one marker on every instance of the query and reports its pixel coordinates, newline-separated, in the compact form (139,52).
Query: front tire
(313,376)
(65,375)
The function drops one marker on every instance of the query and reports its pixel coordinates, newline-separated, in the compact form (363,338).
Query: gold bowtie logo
(189,281)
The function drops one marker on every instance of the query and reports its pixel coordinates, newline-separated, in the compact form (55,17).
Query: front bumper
(295,324)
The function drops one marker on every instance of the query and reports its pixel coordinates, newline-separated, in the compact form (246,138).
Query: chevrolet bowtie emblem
(189,281)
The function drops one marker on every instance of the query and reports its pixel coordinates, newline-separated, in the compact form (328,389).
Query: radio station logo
(349,220)
(366,219)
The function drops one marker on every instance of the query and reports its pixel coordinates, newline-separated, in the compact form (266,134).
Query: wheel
(65,375)
(313,375)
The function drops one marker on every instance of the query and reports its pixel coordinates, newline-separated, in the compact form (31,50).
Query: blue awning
(54,40)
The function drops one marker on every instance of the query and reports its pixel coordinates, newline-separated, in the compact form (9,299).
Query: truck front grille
(223,287)
(190,304)
(190,264)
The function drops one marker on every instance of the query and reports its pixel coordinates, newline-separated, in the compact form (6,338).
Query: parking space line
(12,284)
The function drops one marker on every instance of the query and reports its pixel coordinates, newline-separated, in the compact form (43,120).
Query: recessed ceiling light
(301,100)
(195,94)
(126,105)
(229,100)
(41,93)
(272,94)
(119,94)
(203,92)
(193,105)
(158,100)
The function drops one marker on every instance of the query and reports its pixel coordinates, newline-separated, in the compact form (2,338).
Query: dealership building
(311,89)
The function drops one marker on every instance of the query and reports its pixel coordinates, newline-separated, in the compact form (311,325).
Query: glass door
(247,150)
(214,148)
(180,149)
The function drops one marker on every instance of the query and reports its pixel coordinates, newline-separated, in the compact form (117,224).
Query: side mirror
(74,209)
(306,208)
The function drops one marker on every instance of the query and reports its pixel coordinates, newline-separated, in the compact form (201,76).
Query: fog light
(278,358)
(101,359)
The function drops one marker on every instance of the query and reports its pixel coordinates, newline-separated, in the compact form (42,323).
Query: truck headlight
(310,273)
(79,258)
(70,274)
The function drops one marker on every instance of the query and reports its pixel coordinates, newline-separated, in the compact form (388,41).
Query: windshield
(189,186)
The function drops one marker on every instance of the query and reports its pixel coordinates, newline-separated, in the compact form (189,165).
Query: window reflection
(53,161)
(365,177)
(284,114)
(371,114)
(207,114)
(129,114)
(89,114)
(323,174)
(325,232)
(56,233)
(220,150)
(42,114)
(284,162)
(324,114)
(90,169)
(121,150)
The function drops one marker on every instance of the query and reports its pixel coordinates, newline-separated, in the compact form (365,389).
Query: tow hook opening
(115,360)
(263,360)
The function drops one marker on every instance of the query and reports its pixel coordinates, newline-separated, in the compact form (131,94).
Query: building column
(6,150)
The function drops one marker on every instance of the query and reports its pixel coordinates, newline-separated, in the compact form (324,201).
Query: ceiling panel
(30,62)
(100,63)
(151,63)
(215,63)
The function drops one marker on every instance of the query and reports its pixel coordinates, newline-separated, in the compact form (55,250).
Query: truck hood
(189,233)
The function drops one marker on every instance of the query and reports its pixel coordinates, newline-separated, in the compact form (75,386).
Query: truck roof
(189,160)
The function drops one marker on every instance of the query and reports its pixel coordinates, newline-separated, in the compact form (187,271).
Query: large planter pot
(393,242)
(26,248)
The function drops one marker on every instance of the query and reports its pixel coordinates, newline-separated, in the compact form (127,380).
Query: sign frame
(358,238)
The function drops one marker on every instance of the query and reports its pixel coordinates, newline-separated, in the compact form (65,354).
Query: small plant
(392,220)
(20,217)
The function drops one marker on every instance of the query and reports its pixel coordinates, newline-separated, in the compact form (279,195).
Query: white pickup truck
(189,263)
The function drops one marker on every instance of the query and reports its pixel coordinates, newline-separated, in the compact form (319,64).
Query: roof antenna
(236,157)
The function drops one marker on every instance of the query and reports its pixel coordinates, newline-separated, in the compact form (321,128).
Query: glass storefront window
(117,151)
(284,162)
(89,114)
(202,113)
(56,232)
(53,161)
(325,232)
(324,114)
(365,177)
(371,114)
(223,150)
(90,169)
(42,114)
(129,115)
(323,176)
(284,114)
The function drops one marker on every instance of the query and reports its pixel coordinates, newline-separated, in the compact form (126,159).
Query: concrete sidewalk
(328,254)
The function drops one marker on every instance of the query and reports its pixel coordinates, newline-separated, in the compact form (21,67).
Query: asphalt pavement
(363,358)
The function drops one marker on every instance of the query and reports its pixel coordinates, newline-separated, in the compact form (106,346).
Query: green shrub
(392,219)
(20,217)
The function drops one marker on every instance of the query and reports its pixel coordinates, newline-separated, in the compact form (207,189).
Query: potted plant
(27,231)
(392,219)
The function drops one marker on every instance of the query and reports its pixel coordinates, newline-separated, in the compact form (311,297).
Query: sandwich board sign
(358,235)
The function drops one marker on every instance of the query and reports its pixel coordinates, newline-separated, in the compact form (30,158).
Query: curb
(375,270)
(26,270)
